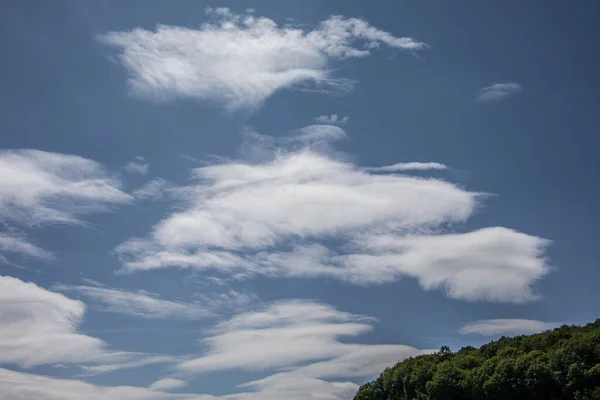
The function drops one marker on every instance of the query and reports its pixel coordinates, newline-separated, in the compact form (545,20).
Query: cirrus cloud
(139,304)
(40,187)
(240,60)
(499,91)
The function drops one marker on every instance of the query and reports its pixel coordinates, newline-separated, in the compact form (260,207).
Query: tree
(562,364)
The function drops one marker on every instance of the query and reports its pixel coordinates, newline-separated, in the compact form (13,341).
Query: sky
(266,200)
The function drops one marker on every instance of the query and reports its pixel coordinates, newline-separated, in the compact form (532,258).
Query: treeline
(560,364)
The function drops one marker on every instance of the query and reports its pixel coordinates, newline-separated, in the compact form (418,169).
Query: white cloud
(410,166)
(240,60)
(274,216)
(91,282)
(285,334)
(308,341)
(153,190)
(24,386)
(43,188)
(14,243)
(137,166)
(332,119)
(258,148)
(168,384)
(499,91)
(231,299)
(91,370)
(312,134)
(322,378)
(38,327)
(293,387)
(40,187)
(139,304)
(493,264)
(513,327)
(302,194)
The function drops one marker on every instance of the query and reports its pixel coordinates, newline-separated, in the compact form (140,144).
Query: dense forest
(560,364)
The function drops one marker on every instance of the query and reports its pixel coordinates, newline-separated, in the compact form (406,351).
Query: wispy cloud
(12,242)
(40,327)
(497,327)
(138,304)
(499,91)
(310,341)
(168,384)
(333,119)
(244,219)
(307,341)
(285,334)
(204,63)
(154,190)
(319,138)
(136,362)
(410,166)
(20,385)
(227,300)
(137,166)
(40,187)
(91,282)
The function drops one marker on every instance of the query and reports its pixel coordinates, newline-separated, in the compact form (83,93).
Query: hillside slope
(560,364)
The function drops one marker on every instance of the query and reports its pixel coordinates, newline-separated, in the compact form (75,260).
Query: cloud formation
(11,242)
(282,334)
(409,166)
(499,91)
(24,386)
(168,384)
(240,60)
(39,327)
(40,187)
(153,190)
(274,217)
(300,338)
(139,304)
(493,264)
(137,166)
(332,119)
(308,340)
(133,362)
(512,327)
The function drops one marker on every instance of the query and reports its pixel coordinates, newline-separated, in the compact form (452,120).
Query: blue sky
(206,201)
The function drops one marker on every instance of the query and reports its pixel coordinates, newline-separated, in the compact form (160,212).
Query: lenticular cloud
(306,212)
(239,60)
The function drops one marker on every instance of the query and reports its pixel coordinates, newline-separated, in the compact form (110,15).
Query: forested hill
(560,364)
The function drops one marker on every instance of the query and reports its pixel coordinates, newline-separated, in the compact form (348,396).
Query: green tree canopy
(562,364)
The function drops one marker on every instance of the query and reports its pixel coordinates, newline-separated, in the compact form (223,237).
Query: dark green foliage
(562,364)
